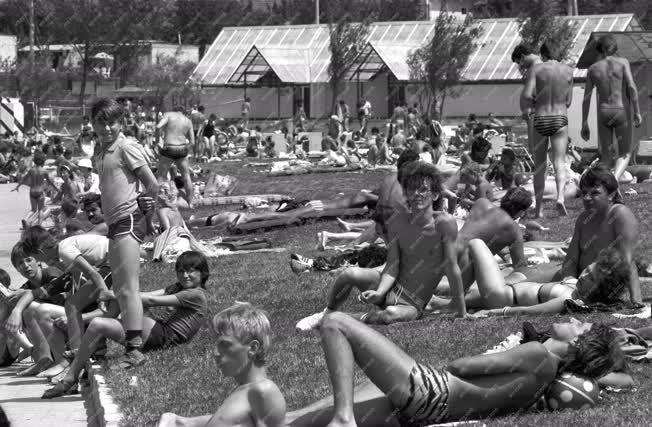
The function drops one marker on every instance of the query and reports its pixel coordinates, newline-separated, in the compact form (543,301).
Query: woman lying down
(602,282)
(402,391)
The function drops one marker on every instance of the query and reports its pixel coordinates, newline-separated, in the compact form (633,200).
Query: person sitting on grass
(92,208)
(479,153)
(603,282)
(476,186)
(243,337)
(604,222)
(402,391)
(421,250)
(187,296)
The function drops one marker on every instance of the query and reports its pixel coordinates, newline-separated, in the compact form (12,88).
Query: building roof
(636,46)
(290,65)
(391,42)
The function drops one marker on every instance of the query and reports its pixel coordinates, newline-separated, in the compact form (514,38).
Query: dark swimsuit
(174,152)
(612,117)
(549,125)
(516,300)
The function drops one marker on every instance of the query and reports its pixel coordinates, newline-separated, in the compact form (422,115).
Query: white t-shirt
(92,247)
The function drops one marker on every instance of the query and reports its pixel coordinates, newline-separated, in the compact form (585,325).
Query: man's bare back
(608,76)
(554,82)
(490,224)
(177,129)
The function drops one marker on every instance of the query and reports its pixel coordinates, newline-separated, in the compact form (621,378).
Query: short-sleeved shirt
(92,247)
(186,320)
(118,181)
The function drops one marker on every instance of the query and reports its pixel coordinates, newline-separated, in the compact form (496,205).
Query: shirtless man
(524,56)
(37,178)
(421,250)
(549,91)
(611,75)
(605,222)
(178,135)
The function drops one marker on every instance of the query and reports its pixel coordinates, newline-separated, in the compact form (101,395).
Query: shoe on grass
(61,389)
(311,322)
(130,359)
(300,264)
(510,342)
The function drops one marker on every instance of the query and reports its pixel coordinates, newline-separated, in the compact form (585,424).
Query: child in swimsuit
(37,179)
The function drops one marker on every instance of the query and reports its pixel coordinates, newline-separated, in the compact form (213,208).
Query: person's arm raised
(626,228)
(529,358)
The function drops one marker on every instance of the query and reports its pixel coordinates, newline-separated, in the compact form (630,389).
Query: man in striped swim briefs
(548,92)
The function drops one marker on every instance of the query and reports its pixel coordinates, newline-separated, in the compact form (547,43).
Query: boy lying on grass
(187,295)
(243,339)
(603,281)
(421,250)
(401,391)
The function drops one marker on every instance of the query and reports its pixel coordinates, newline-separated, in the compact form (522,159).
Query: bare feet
(54,370)
(339,421)
(561,209)
(36,368)
(343,224)
(322,240)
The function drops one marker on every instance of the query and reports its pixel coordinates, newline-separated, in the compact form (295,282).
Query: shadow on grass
(185,380)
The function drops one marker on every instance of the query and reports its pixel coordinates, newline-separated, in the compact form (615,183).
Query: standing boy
(122,167)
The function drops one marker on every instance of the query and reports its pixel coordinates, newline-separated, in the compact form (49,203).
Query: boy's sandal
(61,389)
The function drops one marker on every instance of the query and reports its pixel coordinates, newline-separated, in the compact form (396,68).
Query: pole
(31,37)
(317,12)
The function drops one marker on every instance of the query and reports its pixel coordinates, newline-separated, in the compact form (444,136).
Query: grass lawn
(186,381)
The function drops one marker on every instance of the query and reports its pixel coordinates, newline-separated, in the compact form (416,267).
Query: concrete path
(20,398)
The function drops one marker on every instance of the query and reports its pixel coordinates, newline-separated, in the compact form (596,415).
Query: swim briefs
(427,402)
(135,224)
(175,152)
(399,295)
(549,125)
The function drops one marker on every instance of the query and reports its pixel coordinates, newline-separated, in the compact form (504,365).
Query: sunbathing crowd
(421,256)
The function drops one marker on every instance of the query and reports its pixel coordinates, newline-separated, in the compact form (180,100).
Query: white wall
(8,49)
(503,101)
(182,52)
(227,102)
(375,91)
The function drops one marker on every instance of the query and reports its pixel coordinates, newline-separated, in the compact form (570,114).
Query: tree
(347,40)
(439,63)
(94,26)
(540,22)
(166,79)
(40,83)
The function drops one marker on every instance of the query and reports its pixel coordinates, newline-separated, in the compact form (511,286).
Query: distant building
(8,50)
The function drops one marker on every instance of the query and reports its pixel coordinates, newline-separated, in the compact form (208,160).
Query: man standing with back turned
(549,92)
(611,75)
(178,137)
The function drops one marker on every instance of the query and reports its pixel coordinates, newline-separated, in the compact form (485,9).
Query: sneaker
(131,359)
(509,342)
(310,323)
(300,264)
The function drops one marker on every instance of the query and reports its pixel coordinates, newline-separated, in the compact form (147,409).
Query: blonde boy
(243,339)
